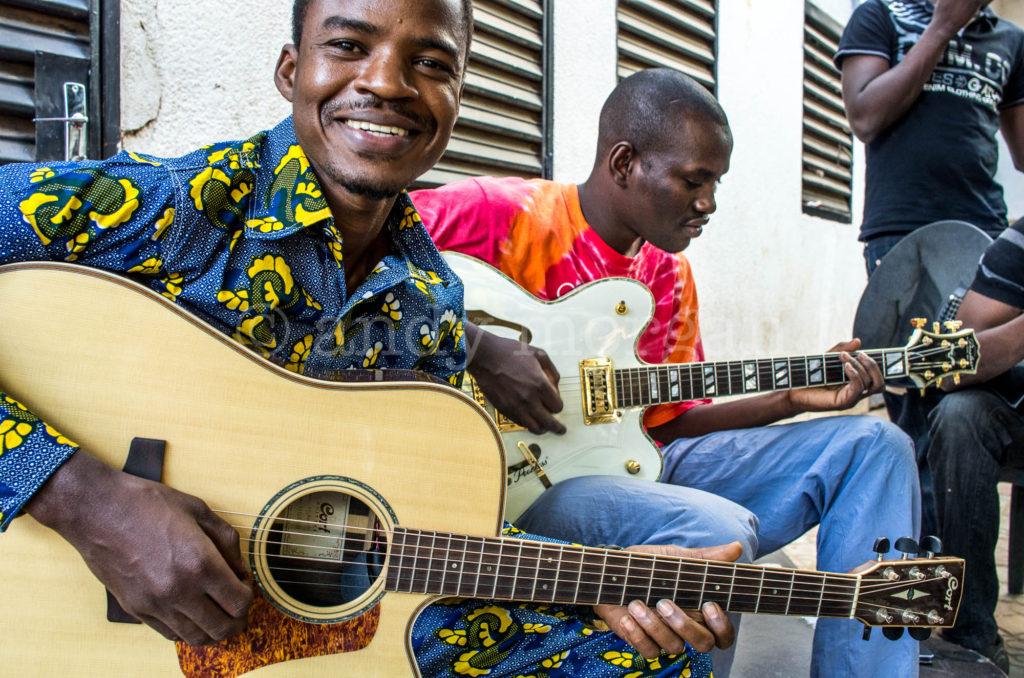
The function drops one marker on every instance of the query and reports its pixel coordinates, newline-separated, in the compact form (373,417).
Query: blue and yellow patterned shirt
(240,234)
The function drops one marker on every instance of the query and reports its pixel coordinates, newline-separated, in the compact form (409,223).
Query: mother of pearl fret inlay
(710,387)
(782,373)
(815,371)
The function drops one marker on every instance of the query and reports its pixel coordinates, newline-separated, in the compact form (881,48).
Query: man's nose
(386,75)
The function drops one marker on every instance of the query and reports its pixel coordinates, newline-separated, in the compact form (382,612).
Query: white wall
(194,72)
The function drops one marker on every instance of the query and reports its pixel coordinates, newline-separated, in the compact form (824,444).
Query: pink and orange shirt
(535,233)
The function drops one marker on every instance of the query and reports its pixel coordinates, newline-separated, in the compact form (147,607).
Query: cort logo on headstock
(952,584)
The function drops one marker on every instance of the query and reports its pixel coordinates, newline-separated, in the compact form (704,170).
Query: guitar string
(620,555)
(626,559)
(638,374)
(765,602)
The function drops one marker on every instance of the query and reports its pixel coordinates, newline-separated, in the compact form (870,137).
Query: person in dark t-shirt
(927,85)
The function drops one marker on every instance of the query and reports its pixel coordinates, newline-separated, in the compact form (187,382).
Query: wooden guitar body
(105,361)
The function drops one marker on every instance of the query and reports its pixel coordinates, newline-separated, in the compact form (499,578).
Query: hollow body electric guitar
(591,335)
(357,503)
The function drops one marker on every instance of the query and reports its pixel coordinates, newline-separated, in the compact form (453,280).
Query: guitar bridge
(598,391)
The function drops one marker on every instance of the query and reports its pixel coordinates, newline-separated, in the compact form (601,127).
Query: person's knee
(886,442)
(959,412)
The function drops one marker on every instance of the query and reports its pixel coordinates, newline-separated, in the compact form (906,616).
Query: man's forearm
(876,100)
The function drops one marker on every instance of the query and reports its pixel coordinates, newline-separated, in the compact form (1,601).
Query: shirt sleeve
(1000,275)
(869,31)
(111,214)
(1013,92)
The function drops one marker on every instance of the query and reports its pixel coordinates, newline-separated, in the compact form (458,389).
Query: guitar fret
(816,371)
(504,581)
(760,589)
(417,569)
(395,568)
(792,584)
(798,372)
(558,572)
(780,373)
(447,566)
(588,592)
(478,563)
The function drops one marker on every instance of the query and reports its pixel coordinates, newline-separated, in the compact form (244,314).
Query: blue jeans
(974,435)
(855,477)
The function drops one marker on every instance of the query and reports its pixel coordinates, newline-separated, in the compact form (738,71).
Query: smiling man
(301,244)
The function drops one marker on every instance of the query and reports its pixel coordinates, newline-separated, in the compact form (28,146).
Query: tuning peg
(919,633)
(892,632)
(936,327)
(930,545)
(881,547)
(867,633)
(953,325)
(907,546)
(918,323)
(938,382)
(956,379)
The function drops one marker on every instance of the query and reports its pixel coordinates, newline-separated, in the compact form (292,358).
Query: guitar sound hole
(325,549)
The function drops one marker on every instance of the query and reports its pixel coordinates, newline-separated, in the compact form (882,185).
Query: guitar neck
(512,569)
(671,383)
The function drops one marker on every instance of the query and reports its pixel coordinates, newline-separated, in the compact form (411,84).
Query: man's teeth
(377,130)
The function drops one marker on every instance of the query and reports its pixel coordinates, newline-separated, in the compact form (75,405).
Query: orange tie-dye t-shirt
(535,233)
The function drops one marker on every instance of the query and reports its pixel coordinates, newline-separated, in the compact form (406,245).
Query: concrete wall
(772,280)
(195,72)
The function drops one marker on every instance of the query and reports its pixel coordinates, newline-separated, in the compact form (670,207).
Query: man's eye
(435,65)
(344,45)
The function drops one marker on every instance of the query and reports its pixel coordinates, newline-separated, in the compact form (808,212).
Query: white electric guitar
(591,334)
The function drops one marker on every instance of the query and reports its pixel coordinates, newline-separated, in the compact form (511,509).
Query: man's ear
(284,74)
(622,161)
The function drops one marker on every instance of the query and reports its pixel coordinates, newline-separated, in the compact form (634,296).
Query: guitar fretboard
(670,383)
(513,569)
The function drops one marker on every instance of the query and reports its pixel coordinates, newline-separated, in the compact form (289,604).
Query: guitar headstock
(935,355)
(913,592)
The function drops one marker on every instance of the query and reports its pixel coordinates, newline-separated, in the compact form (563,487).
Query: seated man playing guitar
(977,431)
(663,144)
(301,244)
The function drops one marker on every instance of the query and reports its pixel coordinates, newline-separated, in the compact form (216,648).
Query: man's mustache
(376,103)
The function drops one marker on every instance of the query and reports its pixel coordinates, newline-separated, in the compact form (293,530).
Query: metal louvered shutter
(679,34)
(43,44)
(827,139)
(501,129)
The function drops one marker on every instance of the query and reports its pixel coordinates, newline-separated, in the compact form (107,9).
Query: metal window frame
(820,121)
(691,7)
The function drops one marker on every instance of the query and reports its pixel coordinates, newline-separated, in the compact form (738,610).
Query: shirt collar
(289,199)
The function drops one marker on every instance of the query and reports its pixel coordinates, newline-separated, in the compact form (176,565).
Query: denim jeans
(854,477)
(974,435)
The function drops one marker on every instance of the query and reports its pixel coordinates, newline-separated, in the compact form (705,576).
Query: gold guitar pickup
(598,391)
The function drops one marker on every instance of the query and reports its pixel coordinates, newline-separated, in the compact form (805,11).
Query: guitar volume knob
(633,467)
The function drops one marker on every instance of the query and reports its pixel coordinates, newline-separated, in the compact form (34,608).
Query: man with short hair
(663,144)
(301,244)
